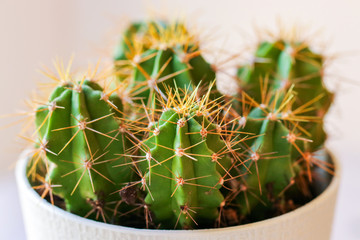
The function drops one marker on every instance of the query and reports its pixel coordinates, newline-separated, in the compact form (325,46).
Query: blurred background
(35,32)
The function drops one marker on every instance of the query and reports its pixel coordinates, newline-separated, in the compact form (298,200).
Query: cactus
(155,53)
(186,163)
(192,165)
(79,132)
(268,156)
(278,153)
(286,64)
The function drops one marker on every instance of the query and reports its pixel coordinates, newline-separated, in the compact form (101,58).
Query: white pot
(46,222)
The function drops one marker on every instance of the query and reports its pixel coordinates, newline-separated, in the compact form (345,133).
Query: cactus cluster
(169,151)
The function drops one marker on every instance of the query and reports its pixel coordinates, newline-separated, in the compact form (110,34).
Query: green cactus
(80,134)
(271,157)
(286,64)
(152,54)
(186,165)
(268,155)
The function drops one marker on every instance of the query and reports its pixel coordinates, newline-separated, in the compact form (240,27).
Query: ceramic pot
(44,221)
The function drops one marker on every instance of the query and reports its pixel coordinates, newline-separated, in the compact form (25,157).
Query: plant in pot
(161,154)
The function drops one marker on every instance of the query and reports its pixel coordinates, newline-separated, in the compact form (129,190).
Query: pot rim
(21,179)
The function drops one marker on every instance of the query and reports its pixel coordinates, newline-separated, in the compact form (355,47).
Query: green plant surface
(291,64)
(79,133)
(186,164)
(277,154)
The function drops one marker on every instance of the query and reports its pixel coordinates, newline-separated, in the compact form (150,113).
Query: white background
(34,32)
